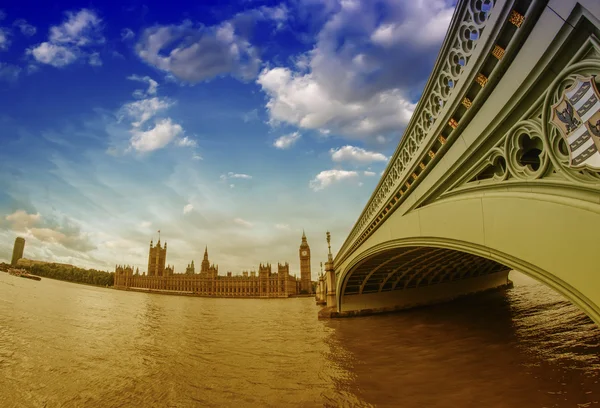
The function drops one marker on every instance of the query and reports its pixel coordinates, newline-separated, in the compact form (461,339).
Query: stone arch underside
(411,275)
(405,268)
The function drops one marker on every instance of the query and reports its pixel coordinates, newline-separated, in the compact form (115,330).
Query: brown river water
(69,345)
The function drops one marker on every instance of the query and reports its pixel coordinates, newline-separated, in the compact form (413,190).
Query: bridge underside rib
(406,277)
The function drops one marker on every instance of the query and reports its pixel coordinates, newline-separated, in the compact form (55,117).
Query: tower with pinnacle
(305,274)
(157,258)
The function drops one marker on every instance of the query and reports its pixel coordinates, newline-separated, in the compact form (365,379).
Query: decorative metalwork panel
(466,29)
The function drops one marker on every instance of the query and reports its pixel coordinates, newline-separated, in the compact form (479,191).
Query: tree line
(72,274)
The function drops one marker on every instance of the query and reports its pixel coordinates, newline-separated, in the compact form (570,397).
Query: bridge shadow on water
(520,347)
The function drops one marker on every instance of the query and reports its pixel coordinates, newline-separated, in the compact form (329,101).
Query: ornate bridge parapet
(479,42)
(498,169)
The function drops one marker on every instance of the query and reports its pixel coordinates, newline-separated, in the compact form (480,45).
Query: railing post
(330,275)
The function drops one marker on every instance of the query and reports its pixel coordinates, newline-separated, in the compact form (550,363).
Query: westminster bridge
(498,169)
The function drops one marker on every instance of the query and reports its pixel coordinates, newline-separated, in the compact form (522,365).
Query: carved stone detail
(525,151)
(558,151)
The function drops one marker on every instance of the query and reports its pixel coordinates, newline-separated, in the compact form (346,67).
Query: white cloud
(51,54)
(21,220)
(4,40)
(201,53)
(81,28)
(358,79)
(157,137)
(286,141)
(197,157)
(127,34)
(303,101)
(194,52)
(356,155)
(26,29)
(430,30)
(145,224)
(328,177)
(243,222)
(145,109)
(65,233)
(95,60)
(284,227)
(152,85)
(186,142)
(232,175)
(188,208)
(68,42)
(369,173)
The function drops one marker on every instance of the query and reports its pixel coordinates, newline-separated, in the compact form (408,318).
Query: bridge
(498,169)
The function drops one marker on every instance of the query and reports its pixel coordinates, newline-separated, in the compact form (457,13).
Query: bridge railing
(423,136)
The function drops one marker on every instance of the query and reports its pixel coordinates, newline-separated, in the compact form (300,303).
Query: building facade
(305,273)
(18,250)
(264,284)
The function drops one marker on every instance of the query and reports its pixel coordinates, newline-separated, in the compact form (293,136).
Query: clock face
(304,253)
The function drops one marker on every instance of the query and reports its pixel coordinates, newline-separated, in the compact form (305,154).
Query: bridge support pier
(320,297)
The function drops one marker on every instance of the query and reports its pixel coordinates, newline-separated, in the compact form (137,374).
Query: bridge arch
(550,239)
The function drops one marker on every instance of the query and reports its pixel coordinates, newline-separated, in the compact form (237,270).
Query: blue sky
(229,124)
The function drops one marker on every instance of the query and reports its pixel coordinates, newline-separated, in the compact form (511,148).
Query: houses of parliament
(264,284)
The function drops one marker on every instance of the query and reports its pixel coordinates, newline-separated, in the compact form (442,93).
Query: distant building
(305,273)
(156,261)
(18,250)
(208,282)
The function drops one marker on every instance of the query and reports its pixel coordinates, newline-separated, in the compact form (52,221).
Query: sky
(229,124)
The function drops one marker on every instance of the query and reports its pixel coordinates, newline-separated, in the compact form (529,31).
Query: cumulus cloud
(66,233)
(356,154)
(52,54)
(145,109)
(243,222)
(70,40)
(197,157)
(157,137)
(369,173)
(20,220)
(327,177)
(26,29)
(188,208)
(286,141)
(152,86)
(151,130)
(302,101)
(81,28)
(194,53)
(358,79)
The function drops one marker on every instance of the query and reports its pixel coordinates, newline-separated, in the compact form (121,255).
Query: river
(69,345)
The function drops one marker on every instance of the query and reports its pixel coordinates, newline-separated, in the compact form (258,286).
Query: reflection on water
(66,345)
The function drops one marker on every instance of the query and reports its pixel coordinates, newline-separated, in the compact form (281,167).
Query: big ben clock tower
(305,276)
